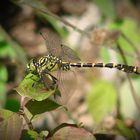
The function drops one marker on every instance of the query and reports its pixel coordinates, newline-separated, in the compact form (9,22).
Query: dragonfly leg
(35,82)
(54,84)
(31,77)
(49,81)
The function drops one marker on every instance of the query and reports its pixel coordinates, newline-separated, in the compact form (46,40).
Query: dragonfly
(57,54)
(62,58)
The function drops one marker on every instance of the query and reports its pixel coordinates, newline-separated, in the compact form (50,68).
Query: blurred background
(98,31)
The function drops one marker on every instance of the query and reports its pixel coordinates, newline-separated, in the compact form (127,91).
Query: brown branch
(40,7)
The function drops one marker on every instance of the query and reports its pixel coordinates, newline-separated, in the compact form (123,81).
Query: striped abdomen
(122,67)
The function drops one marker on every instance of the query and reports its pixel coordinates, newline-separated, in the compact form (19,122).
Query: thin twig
(40,6)
(132,44)
(28,122)
(133,92)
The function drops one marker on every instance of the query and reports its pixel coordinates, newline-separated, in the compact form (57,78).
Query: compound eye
(28,66)
(31,66)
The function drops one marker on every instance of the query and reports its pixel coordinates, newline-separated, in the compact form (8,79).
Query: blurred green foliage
(124,130)
(101,100)
(129,28)
(12,105)
(57,26)
(107,7)
(11,52)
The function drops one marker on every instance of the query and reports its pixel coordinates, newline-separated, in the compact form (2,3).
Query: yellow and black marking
(51,63)
(47,63)
(122,67)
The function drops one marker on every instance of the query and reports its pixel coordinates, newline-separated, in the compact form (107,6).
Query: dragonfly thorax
(47,63)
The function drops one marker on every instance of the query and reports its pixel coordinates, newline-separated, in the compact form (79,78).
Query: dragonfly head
(32,66)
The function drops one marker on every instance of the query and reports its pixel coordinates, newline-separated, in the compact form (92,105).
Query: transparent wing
(55,47)
(68,54)
(53,44)
(67,85)
(49,81)
(66,80)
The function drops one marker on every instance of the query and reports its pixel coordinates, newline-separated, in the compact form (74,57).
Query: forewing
(68,54)
(53,44)
(55,47)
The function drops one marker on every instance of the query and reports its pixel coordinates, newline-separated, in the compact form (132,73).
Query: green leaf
(44,133)
(101,100)
(26,136)
(125,131)
(3,74)
(107,7)
(13,105)
(38,107)
(3,79)
(33,134)
(2,94)
(10,125)
(30,135)
(37,92)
